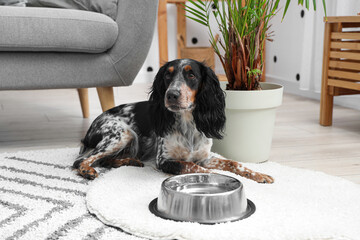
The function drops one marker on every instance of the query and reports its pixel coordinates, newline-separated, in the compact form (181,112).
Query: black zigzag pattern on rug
(45,199)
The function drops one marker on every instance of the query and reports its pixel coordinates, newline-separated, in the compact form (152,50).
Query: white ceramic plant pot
(250,120)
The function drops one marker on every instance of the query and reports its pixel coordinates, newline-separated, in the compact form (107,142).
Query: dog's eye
(191,76)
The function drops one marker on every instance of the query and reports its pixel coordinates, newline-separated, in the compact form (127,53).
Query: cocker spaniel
(174,127)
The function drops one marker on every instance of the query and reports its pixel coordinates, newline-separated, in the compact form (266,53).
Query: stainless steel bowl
(202,197)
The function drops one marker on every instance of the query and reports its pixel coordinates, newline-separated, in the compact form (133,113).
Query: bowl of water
(206,198)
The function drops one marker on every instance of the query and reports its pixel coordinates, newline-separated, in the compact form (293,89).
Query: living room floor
(45,119)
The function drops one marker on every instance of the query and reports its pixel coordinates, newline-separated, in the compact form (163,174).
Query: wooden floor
(52,119)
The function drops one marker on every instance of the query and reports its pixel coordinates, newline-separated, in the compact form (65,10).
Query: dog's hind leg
(106,148)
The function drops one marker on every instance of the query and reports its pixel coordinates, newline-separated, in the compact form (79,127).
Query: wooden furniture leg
(181,26)
(327,92)
(326,101)
(84,101)
(106,96)
(326,105)
(162,33)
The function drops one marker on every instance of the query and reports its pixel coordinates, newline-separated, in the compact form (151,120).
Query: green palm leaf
(324,5)
(286,7)
(197,20)
(198,4)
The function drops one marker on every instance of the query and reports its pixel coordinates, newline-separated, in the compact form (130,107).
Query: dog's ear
(209,112)
(161,118)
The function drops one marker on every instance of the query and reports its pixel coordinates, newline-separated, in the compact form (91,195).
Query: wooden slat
(181,26)
(351,25)
(162,32)
(222,77)
(345,65)
(347,19)
(344,84)
(346,55)
(338,91)
(347,75)
(346,45)
(350,51)
(342,35)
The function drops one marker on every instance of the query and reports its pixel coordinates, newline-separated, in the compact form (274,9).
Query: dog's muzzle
(172,97)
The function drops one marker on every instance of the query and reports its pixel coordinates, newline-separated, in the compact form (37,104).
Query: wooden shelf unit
(341,62)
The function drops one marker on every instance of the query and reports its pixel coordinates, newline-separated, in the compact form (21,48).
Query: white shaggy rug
(301,204)
(41,197)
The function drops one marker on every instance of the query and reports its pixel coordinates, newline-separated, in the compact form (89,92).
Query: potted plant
(250,104)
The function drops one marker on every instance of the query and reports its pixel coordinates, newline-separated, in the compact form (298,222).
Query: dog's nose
(173,95)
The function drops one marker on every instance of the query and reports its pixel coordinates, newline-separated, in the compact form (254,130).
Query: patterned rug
(41,197)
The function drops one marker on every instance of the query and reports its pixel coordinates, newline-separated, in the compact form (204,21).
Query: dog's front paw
(88,172)
(263,178)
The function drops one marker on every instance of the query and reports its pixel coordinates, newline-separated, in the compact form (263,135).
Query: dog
(175,127)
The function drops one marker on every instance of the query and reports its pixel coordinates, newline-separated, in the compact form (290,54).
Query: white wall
(297,45)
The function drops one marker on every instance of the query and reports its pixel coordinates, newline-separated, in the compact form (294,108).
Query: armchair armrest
(136,23)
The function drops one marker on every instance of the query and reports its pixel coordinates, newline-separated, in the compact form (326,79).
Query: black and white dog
(174,128)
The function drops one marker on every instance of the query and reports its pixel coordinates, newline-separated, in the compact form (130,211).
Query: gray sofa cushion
(107,7)
(16,3)
(55,30)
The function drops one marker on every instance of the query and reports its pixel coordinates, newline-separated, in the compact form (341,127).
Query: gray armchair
(47,48)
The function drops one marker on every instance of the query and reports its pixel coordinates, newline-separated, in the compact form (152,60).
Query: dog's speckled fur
(175,127)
